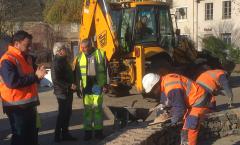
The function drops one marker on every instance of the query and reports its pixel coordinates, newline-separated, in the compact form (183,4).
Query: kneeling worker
(187,100)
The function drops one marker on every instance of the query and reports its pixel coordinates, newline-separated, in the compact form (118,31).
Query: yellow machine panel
(118,29)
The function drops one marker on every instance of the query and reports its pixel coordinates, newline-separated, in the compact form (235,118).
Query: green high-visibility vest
(101,74)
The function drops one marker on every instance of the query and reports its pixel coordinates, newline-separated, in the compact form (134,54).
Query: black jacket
(62,75)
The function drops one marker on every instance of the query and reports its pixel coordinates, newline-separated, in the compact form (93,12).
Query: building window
(208,11)
(226,37)
(181,13)
(227,10)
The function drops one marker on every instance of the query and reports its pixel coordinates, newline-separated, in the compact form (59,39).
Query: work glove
(96,89)
(174,124)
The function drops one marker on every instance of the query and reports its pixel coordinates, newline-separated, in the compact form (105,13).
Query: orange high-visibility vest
(194,93)
(18,96)
(210,79)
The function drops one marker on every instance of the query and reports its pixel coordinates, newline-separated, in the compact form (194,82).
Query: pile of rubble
(218,124)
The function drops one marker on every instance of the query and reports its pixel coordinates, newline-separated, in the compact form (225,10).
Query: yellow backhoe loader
(131,32)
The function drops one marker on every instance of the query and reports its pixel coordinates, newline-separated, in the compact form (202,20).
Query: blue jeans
(23,126)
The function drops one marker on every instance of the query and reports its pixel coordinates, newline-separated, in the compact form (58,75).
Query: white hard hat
(149,81)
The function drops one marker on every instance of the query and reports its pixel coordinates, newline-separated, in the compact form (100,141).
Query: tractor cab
(145,23)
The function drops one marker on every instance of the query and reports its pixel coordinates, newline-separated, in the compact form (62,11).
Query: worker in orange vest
(213,81)
(187,100)
(19,89)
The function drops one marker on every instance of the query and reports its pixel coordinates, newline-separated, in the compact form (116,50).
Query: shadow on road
(235,81)
(207,142)
(46,133)
(47,139)
(226,106)
(237,143)
(44,89)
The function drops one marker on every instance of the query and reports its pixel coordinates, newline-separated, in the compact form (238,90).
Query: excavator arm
(96,24)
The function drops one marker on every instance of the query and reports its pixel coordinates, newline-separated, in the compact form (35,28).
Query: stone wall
(218,124)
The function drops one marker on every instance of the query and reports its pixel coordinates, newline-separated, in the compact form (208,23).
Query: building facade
(198,19)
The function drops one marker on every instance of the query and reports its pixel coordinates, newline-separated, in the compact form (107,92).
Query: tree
(227,27)
(234,54)
(224,50)
(216,47)
(62,11)
(7,14)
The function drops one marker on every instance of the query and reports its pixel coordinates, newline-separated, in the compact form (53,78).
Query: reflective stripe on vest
(203,101)
(209,79)
(204,85)
(82,61)
(188,85)
(191,91)
(215,75)
(21,102)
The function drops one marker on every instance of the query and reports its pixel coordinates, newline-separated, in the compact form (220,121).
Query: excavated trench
(216,125)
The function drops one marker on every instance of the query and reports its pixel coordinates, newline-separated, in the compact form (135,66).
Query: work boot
(87,135)
(99,134)
(68,137)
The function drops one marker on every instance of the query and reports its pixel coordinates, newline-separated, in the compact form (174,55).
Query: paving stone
(219,124)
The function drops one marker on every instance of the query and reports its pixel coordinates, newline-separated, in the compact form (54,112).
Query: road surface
(48,113)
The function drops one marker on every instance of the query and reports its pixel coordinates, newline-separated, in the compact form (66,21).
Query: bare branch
(227,27)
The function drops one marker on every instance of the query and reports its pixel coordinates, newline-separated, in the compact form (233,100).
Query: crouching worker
(213,81)
(187,100)
(91,78)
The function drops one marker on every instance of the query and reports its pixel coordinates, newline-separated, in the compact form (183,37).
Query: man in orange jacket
(19,89)
(187,100)
(213,81)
